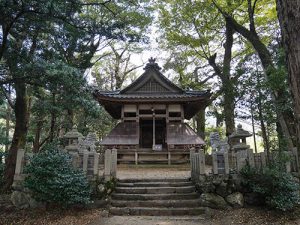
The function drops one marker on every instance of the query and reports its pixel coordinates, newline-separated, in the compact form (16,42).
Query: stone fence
(232,163)
(91,163)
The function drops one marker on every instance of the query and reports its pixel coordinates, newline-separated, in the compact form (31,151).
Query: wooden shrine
(152,111)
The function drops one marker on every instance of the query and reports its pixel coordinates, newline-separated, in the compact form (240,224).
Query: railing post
(96,163)
(251,157)
(215,163)
(202,162)
(107,164)
(241,160)
(192,155)
(136,157)
(197,164)
(85,160)
(114,162)
(226,163)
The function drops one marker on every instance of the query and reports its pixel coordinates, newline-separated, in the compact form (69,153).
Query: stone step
(155,190)
(155,184)
(157,203)
(147,180)
(146,211)
(173,196)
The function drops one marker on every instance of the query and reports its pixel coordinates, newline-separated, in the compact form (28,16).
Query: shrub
(52,179)
(277,188)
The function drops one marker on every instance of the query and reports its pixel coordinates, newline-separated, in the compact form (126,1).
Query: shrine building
(152,112)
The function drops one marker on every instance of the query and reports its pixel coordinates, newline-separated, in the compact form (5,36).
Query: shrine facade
(152,112)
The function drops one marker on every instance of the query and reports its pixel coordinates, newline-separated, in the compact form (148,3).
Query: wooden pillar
(136,157)
(153,119)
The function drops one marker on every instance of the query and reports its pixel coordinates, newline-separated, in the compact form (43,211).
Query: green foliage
(277,188)
(52,179)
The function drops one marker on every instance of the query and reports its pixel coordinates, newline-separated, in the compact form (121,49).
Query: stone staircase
(156,197)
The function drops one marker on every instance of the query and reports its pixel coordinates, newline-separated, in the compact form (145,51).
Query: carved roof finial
(152,64)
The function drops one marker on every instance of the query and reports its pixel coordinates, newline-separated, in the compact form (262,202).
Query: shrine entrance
(152,132)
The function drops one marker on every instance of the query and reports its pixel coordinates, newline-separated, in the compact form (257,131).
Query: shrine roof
(152,86)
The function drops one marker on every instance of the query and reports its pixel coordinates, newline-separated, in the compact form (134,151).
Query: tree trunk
(227,82)
(266,61)
(263,128)
(200,123)
(229,108)
(262,123)
(39,127)
(289,19)
(7,126)
(19,137)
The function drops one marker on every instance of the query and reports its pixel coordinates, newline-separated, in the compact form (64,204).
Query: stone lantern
(238,139)
(73,138)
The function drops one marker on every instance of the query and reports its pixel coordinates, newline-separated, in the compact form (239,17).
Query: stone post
(85,160)
(241,159)
(226,162)
(251,157)
(107,164)
(202,162)
(75,159)
(215,163)
(96,163)
(114,157)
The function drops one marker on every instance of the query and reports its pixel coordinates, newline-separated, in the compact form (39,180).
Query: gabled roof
(152,81)
(152,87)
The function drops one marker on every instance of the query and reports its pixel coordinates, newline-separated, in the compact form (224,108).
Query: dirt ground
(251,216)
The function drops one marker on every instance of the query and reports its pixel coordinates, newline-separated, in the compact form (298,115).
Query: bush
(277,188)
(52,179)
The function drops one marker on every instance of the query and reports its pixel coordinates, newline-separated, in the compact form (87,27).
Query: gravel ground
(127,172)
(154,171)
(245,216)
(150,220)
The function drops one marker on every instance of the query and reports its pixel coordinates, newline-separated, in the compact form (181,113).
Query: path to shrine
(148,172)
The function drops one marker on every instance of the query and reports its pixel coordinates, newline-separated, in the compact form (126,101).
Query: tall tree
(247,14)
(56,33)
(189,25)
(289,17)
